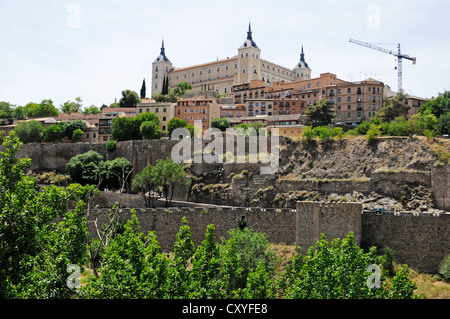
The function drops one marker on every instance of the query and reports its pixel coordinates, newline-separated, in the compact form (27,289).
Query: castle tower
(249,60)
(160,68)
(302,70)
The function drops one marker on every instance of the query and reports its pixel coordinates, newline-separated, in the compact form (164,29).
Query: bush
(84,168)
(77,135)
(444,269)
(53,133)
(150,130)
(111,146)
(29,132)
(372,134)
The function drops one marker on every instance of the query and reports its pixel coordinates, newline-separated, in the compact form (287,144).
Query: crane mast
(400,56)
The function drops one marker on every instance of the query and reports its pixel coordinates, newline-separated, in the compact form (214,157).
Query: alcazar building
(222,75)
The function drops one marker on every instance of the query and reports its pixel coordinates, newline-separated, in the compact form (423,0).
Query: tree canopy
(129,99)
(129,128)
(394,107)
(321,114)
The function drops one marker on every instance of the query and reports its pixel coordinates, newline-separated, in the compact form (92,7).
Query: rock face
(393,175)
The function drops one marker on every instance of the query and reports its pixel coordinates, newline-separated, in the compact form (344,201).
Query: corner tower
(160,70)
(249,60)
(302,70)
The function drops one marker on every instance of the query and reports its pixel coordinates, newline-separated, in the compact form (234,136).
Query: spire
(249,42)
(162,48)
(162,54)
(302,63)
(302,55)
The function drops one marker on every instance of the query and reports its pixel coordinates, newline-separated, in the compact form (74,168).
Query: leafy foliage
(321,114)
(220,123)
(394,107)
(129,99)
(29,131)
(175,123)
(90,169)
(38,235)
(129,128)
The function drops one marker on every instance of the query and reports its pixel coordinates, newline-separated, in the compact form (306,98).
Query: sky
(60,50)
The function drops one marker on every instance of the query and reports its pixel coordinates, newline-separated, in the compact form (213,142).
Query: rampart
(419,240)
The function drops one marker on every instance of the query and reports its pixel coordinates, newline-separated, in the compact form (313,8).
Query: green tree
(221,123)
(175,123)
(29,131)
(53,133)
(77,135)
(143,90)
(444,124)
(19,113)
(39,236)
(129,99)
(168,175)
(6,110)
(438,106)
(128,128)
(150,130)
(117,173)
(70,107)
(204,278)
(321,114)
(181,88)
(69,127)
(145,183)
(394,107)
(44,109)
(85,168)
(91,110)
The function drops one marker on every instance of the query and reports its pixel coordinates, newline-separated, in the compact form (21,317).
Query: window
(156,110)
(243,70)
(349,99)
(349,107)
(349,90)
(359,114)
(164,110)
(164,119)
(349,115)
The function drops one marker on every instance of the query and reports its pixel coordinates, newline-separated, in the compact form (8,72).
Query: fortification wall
(335,220)
(440,184)
(278,225)
(420,240)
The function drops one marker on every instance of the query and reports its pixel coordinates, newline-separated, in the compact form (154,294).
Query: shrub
(307,134)
(53,133)
(444,269)
(29,132)
(77,135)
(372,134)
(111,145)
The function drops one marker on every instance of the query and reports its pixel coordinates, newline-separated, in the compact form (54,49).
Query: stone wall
(440,184)
(335,220)
(278,225)
(420,240)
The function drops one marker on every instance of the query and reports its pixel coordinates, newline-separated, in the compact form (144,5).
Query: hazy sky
(94,49)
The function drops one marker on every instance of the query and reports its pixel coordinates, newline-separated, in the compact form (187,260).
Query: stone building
(222,75)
